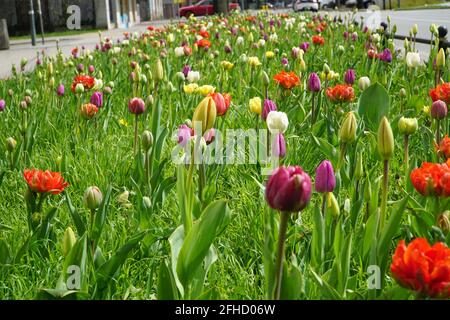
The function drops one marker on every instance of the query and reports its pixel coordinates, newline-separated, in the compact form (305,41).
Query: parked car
(327,4)
(306,5)
(354,3)
(203,8)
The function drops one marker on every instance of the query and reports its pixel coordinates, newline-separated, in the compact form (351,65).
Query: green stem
(280,254)
(324,203)
(135,135)
(312,111)
(406,157)
(384,194)
(438,129)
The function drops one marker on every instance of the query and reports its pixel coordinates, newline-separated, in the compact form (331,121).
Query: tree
(221,6)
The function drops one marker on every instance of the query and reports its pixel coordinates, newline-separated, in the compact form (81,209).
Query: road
(403,19)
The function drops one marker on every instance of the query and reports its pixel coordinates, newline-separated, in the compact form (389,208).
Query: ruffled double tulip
(44,181)
(444,147)
(88,110)
(432,179)
(341,93)
(441,92)
(287,80)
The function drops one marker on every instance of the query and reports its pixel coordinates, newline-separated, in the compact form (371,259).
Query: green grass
(408,4)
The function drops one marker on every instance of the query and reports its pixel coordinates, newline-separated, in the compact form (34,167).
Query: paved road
(403,19)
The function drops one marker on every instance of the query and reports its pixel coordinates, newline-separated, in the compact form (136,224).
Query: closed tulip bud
(349,76)
(415,29)
(333,205)
(2,105)
(440,59)
(402,92)
(269,106)
(149,100)
(11,144)
(51,82)
(385,139)
(79,88)
(326,69)
(394,29)
(340,49)
(97,99)
(50,68)
(136,106)
(147,202)
(179,76)
(147,140)
(277,122)
(288,189)
(314,84)
(279,146)
(92,198)
(23,105)
(438,110)
(347,132)
(69,241)
(443,221)
(325,178)
(265,78)
(159,70)
(363,83)
(302,65)
(205,113)
(407,126)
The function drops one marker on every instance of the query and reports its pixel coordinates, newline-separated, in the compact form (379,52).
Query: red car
(202,8)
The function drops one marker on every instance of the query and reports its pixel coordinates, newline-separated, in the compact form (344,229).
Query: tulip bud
(11,144)
(440,59)
(51,82)
(69,241)
(326,68)
(147,202)
(314,82)
(415,29)
(443,221)
(363,83)
(150,100)
(79,88)
(385,139)
(159,70)
(359,167)
(92,198)
(2,105)
(147,140)
(333,205)
(349,76)
(325,178)
(97,99)
(265,78)
(394,29)
(347,132)
(438,110)
(205,113)
(288,189)
(402,93)
(136,106)
(407,126)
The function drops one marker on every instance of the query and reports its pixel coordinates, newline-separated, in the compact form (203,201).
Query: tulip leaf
(318,238)
(5,252)
(373,105)
(292,283)
(326,289)
(44,228)
(100,217)
(370,232)
(198,241)
(77,257)
(79,224)
(167,289)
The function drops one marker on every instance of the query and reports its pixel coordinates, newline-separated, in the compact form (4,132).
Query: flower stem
(312,111)
(384,193)
(135,135)
(406,157)
(324,201)
(438,129)
(280,254)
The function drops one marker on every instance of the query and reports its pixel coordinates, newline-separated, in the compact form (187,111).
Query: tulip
(438,112)
(443,221)
(205,114)
(347,132)
(205,90)
(69,241)
(159,70)
(413,59)
(2,105)
(314,82)
(363,83)
(184,134)
(10,144)
(269,106)
(97,99)
(186,70)
(304,46)
(193,76)
(255,105)
(277,122)
(190,88)
(325,178)
(385,56)
(179,51)
(288,190)
(136,106)
(279,146)
(440,59)
(147,140)
(88,110)
(92,198)
(349,76)
(91,69)
(332,205)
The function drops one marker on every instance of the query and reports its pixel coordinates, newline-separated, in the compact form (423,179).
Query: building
(93,13)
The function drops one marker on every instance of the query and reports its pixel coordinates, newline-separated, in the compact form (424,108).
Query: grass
(408,4)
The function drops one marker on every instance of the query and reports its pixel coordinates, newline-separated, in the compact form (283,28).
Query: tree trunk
(221,6)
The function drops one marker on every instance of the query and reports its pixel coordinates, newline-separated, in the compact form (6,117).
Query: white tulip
(413,59)
(239,40)
(193,76)
(363,83)
(277,122)
(261,43)
(179,51)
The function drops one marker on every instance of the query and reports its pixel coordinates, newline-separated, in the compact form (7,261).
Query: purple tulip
(354,36)
(184,134)
(438,110)
(136,106)
(386,55)
(261,25)
(284,61)
(314,82)
(271,23)
(60,90)
(349,76)
(304,46)
(2,105)
(269,105)
(227,49)
(80,67)
(91,69)
(279,146)
(345,35)
(325,179)
(288,189)
(295,52)
(97,99)
(186,70)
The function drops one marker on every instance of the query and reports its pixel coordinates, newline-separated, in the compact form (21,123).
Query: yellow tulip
(270,54)
(255,105)
(205,113)
(205,90)
(254,61)
(190,88)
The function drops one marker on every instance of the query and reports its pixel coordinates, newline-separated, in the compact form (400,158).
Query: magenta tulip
(325,179)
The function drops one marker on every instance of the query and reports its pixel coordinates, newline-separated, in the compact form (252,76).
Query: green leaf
(345,264)
(318,238)
(79,224)
(325,288)
(327,149)
(167,289)
(371,232)
(199,240)
(5,252)
(4,227)
(77,256)
(292,283)
(44,228)
(176,242)
(373,105)
(110,267)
